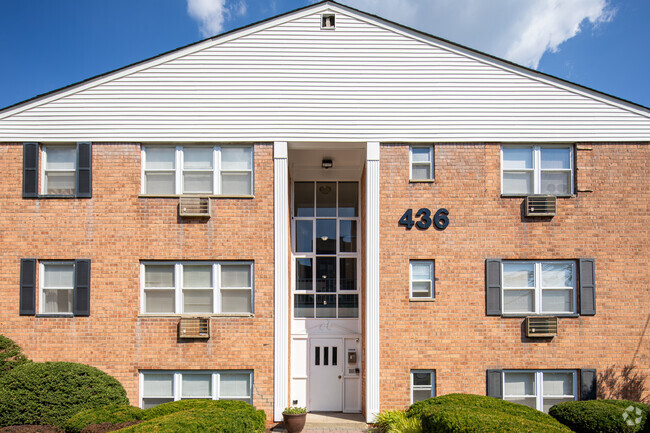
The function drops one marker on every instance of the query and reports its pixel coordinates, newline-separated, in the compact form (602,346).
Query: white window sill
(422,181)
(523,315)
(54,315)
(422,299)
(173,315)
(527,195)
(225,196)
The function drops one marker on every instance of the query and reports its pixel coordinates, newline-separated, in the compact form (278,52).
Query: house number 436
(440,218)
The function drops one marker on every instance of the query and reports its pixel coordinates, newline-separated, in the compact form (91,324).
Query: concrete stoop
(331,422)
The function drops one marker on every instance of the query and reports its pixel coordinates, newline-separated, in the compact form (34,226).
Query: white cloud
(212,14)
(517,30)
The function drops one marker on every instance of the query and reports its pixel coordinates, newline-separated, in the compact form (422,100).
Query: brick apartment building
(366,215)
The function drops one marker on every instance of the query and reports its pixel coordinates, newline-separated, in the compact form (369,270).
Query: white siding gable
(288,80)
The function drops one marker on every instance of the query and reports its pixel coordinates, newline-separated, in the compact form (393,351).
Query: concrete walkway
(331,422)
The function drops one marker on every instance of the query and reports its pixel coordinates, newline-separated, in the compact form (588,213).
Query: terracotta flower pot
(294,423)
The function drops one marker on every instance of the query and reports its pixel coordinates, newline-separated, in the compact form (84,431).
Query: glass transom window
(537,170)
(197,287)
(174,170)
(59,168)
(539,389)
(539,287)
(326,251)
(164,386)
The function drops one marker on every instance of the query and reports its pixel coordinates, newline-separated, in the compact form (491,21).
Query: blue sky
(48,44)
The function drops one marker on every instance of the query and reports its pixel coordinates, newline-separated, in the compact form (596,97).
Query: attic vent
(198,207)
(541,327)
(541,205)
(328,21)
(194,327)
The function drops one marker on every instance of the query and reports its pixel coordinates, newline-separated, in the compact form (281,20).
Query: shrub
(459,419)
(11,355)
(199,416)
(51,392)
(602,416)
(396,421)
(467,412)
(114,414)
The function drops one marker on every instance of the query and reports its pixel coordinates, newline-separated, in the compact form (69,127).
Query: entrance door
(325,375)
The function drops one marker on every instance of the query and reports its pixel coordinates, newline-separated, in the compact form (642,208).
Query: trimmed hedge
(459,419)
(11,355)
(198,416)
(467,413)
(114,414)
(600,416)
(51,392)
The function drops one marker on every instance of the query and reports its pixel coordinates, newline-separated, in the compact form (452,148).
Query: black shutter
(493,287)
(84,187)
(30,170)
(587,287)
(494,384)
(588,388)
(27,287)
(81,288)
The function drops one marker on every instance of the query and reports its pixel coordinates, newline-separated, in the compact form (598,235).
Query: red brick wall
(117,229)
(452,334)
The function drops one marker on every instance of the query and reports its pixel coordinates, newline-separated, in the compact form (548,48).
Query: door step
(332,422)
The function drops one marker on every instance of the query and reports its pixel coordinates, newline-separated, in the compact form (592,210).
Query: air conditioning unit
(194,327)
(196,207)
(541,327)
(541,205)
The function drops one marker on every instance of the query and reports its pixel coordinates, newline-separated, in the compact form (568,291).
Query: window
(57,286)
(539,287)
(423,385)
(539,389)
(537,170)
(422,279)
(66,170)
(326,250)
(421,162)
(169,170)
(159,387)
(197,287)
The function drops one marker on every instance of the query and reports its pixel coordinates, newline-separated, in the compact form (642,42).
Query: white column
(281,248)
(372,280)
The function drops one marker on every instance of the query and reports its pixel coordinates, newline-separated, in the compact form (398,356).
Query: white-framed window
(59,170)
(423,385)
(537,169)
(162,386)
(56,287)
(539,287)
(421,162)
(422,279)
(539,389)
(197,287)
(197,169)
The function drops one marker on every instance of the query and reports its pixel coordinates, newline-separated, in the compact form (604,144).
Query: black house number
(440,219)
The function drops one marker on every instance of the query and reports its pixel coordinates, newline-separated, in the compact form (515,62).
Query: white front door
(325,375)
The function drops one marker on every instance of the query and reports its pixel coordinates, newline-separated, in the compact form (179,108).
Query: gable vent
(197,207)
(541,327)
(328,21)
(541,205)
(194,327)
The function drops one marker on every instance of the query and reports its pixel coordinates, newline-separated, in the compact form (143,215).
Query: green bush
(460,419)
(51,392)
(11,355)
(114,414)
(199,416)
(468,412)
(396,421)
(601,416)
(481,401)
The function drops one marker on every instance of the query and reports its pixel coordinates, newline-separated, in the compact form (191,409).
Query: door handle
(339,377)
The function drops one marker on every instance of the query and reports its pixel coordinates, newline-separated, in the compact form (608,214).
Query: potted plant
(294,418)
